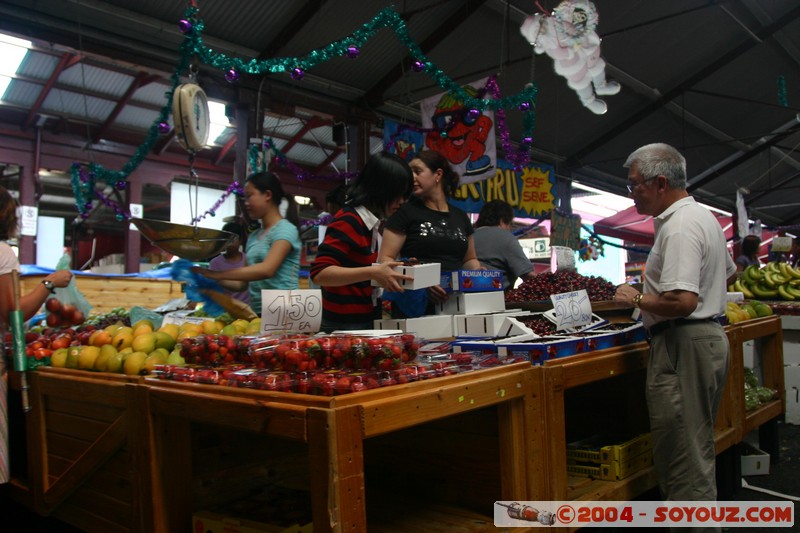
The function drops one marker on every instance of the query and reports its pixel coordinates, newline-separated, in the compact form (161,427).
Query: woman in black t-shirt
(427,228)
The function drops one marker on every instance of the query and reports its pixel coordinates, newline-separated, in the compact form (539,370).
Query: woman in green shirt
(273,252)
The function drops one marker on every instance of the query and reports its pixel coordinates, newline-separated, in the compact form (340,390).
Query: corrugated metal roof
(700,75)
(152,93)
(136,117)
(22,93)
(37,65)
(77,105)
(98,80)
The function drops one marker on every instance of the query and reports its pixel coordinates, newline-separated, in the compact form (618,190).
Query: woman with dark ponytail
(427,228)
(273,252)
(346,262)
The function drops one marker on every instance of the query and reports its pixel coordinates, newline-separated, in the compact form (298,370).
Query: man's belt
(660,327)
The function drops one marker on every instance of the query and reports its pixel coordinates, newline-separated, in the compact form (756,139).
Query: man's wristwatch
(49,286)
(637,299)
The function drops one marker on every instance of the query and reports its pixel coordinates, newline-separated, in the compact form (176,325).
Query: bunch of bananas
(776,280)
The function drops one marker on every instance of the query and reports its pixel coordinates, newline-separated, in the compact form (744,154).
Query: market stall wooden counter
(116,453)
(334,430)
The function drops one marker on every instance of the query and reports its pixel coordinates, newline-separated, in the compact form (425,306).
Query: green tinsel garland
(85,177)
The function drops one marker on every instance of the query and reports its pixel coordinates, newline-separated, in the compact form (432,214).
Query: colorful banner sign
(465,137)
(402,140)
(531,191)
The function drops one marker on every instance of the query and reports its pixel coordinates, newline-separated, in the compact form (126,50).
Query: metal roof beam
(141,79)
(66,61)
(292,28)
(702,74)
(225,149)
(313,122)
(374,95)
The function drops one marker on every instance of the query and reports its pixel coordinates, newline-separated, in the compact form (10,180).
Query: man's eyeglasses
(632,186)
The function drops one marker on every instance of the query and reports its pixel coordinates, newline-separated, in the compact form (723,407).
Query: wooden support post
(336,456)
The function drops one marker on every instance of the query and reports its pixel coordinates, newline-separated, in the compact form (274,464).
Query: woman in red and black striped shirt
(344,266)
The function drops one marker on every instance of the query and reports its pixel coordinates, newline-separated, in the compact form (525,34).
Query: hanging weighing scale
(191,117)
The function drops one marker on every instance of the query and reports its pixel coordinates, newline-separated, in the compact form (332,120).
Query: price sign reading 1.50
(296,311)
(572,309)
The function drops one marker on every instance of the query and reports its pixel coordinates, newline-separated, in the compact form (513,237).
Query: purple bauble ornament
(185,26)
(297,73)
(418,66)
(524,106)
(121,185)
(84,215)
(353,51)
(88,206)
(232,75)
(473,114)
(163,127)
(527,140)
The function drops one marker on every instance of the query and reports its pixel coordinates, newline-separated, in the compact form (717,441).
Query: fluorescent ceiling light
(219,120)
(302,200)
(12,52)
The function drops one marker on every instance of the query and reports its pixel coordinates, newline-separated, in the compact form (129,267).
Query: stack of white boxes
(475,307)
(477,303)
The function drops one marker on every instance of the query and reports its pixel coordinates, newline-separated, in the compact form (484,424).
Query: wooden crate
(105,293)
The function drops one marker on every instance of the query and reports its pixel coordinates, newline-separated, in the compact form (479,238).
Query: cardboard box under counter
(754,461)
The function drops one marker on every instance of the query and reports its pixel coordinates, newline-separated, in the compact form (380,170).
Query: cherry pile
(542,286)
(540,325)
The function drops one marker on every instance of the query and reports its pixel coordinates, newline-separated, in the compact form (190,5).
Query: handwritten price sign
(572,309)
(295,311)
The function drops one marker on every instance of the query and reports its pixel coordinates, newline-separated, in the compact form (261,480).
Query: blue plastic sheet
(194,283)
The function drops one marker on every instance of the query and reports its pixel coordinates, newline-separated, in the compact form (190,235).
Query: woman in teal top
(273,252)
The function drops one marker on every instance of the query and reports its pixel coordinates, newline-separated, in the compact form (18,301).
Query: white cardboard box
(472,303)
(492,325)
(425,275)
(755,462)
(424,327)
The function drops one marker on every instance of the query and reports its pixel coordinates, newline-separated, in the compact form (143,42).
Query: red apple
(68,313)
(53,305)
(52,320)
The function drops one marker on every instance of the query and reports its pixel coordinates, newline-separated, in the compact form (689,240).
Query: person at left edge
(272,252)
(29,303)
(347,259)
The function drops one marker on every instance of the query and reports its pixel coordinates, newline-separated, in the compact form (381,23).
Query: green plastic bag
(140,313)
(70,294)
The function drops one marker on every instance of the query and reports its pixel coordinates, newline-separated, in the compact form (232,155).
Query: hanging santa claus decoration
(568,36)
